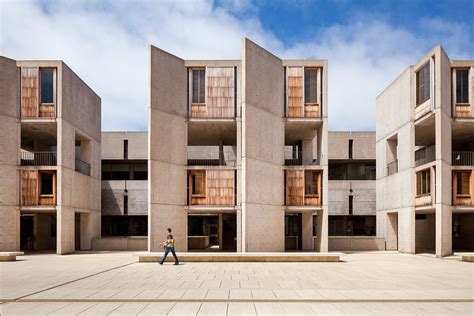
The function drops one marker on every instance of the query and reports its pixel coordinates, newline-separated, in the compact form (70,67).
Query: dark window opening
(199,86)
(423,84)
(420,216)
(352,225)
(125,205)
(351,142)
(351,203)
(120,170)
(47,86)
(462,86)
(136,225)
(125,149)
(310,85)
(423,182)
(46,187)
(310,183)
(351,171)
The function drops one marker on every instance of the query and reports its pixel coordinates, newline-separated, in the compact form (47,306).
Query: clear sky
(367,43)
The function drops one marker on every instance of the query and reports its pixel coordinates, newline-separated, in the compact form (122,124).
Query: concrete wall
(363,145)
(363,192)
(9,155)
(120,243)
(262,150)
(112,145)
(113,192)
(356,243)
(167,143)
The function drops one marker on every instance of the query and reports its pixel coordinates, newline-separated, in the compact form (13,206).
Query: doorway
(77,231)
(212,232)
(38,232)
(293,232)
(27,232)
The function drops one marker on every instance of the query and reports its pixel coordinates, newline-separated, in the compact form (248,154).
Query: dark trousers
(167,251)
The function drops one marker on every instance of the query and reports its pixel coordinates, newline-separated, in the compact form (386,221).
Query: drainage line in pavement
(62,284)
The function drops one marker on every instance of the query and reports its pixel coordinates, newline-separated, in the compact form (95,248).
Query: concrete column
(322,220)
(307,151)
(65,230)
(239,231)
(307,230)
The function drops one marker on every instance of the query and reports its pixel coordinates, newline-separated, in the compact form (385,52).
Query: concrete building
(124,191)
(238,152)
(425,152)
(50,122)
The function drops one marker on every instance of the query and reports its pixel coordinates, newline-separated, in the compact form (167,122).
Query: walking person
(168,245)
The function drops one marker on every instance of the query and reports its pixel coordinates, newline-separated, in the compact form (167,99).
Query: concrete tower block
(167,143)
(262,150)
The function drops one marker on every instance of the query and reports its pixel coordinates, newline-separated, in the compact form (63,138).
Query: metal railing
(392,167)
(83,167)
(293,158)
(199,157)
(463,158)
(424,155)
(38,158)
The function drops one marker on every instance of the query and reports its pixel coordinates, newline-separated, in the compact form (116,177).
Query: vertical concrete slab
(262,150)
(9,155)
(307,230)
(167,150)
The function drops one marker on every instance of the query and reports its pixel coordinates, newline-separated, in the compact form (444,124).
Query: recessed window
(125,205)
(47,86)
(423,84)
(46,185)
(423,182)
(462,84)
(351,143)
(125,149)
(462,184)
(351,204)
(198,183)
(199,86)
(311,183)
(310,85)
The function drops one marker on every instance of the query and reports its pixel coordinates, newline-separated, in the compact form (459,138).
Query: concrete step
(243,257)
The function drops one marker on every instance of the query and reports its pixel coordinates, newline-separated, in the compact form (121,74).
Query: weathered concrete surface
(113,192)
(112,145)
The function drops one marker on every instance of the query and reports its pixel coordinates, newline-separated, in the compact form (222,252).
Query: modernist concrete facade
(50,158)
(267,136)
(425,143)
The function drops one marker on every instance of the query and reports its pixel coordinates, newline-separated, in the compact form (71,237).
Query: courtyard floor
(115,283)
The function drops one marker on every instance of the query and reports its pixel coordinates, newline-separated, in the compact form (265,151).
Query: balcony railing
(424,155)
(197,157)
(392,167)
(293,158)
(83,167)
(38,158)
(463,158)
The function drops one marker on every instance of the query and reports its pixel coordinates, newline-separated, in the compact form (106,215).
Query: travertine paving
(366,283)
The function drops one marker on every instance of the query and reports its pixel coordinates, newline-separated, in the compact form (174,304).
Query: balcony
(211,187)
(82,167)
(392,167)
(463,158)
(293,158)
(424,155)
(38,158)
(212,156)
(423,200)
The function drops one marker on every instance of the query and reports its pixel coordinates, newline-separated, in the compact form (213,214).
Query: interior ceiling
(44,133)
(425,132)
(208,133)
(297,132)
(463,132)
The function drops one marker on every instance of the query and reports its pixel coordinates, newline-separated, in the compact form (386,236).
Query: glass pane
(46,183)
(47,88)
(462,83)
(310,85)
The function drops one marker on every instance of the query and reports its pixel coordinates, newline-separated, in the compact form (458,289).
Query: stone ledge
(468,258)
(10,256)
(243,257)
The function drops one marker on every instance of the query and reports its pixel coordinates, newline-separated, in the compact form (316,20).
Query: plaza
(116,283)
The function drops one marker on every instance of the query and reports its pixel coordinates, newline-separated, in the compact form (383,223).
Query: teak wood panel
(30,92)
(463,199)
(219,188)
(295,91)
(295,189)
(220,96)
(29,187)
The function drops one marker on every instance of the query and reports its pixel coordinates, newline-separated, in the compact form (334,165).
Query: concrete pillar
(307,151)
(391,233)
(307,230)
(322,231)
(65,230)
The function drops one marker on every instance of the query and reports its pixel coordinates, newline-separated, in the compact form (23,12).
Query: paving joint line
(65,283)
(229,300)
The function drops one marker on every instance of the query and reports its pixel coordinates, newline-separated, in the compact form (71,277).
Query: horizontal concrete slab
(10,256)
(243,257)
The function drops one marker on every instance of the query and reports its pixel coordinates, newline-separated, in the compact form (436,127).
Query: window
(351,204)
(423,84)
(119,225)
(47,85)
(125,149)
(351,143)
(462,182)
(125,205)
(351,171)
(310,183)
(199,86)
(310,85)
(462,83)
(198,183)
(120,170)
(46,187)
(423,182)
